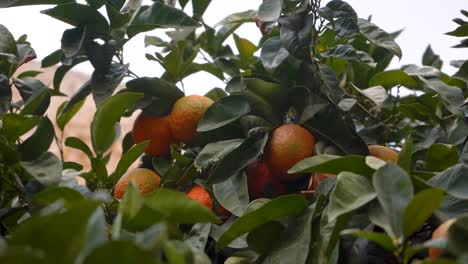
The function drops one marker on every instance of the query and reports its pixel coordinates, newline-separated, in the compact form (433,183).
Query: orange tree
(295,128)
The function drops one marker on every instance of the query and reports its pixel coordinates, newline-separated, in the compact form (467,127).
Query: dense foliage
(322,67)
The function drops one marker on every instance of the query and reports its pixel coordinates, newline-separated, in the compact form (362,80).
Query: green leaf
(79,15)
(441,156)
(238,18)
(273,54)
(453,181)
(51,59)
(288,205)
(330,85)
(38,103)
(178,208)
(343,17)
(127,159)
(15,125)
(76,143)
(233,194)
(457,234)
(216,94)
(160,15)
(378,217)
(420,209)
(452,96)
(379,37)
(29,74)
(239,158)
(119,252)
(347,52)
(295,242)
(422,71)
(260,239)
(106,116)
(270,10)
(394,192)
(62,118)
(351,192)
(72,41)
(381,239)
(406,154)
(332,164)
(245,47)
(250,122)
(392,78)
(431,59)
(7,41)
(104,85)
(32,2)
(214,152)
(70,233)
(224,111)
(199,7)
(47,169)
(50,195)
(39,142)
(461,31)
(160,94)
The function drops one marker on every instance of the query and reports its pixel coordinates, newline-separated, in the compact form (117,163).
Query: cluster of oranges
(266,177)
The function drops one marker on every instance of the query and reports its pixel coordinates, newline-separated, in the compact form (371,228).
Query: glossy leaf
(46,169)
(214,152)
(332,164)
(119,252)
(270,10)
(289,205)
(440,157)
(39,142)
(406,154)
(453,180)
(15,125)
(106,117)
(378,238)
(232,194)
(351,192)
(273,54)
(222,112)
(389,79)
(379,37)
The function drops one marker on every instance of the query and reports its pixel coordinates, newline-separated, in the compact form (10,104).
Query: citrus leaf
(288,205)
(440,157)
(453,180)
(378,238)
(379,37)
(224,111)
(39,142)
(214,152)
(232,194)
(332,164)
(106,116)
(405,155)
(15,125)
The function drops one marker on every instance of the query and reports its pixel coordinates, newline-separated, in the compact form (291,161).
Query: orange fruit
(260,181)
(440,232)
(199,194)
(145,180)
(383,153)
(288,145)
(316,179)
(185,115)
(157,130)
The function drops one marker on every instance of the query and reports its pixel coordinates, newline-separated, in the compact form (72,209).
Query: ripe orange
(145,180)
(199,194)
(185,115)
(440,232)
(260,181)
(383,153)
(157,130)
(288,145)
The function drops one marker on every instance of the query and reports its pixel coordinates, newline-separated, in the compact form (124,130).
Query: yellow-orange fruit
(185,115)
(288,145)
(157,130)
(440,232)
(383,153)
(199,194)
(145,180)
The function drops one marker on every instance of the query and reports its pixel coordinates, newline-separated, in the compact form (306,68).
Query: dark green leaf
(106,117)
(422,71)
(406,154)
(270,10)
(72,41)
(28,86)
(178,208)
(288,205)
(440,157)
(457,234)
(343,17)
(389,79)
(379,37)
(53,194)
(236,18)
(199,7)
(7,41)
(420,209)
(232,194)
(351,192)
(273,54)
(47,169)
(453,181)
(394,192)
(127,159)
(224,111)
(216,94)
(15,125)
(347,52)
(79,15)
(38,103)
(76,143)
(103,85)
(330,85)
(461,31)
(63,69)
(452,96)
(431,59)
(32,2)
(29,74)
(378,238)
(160,15)
(39,142)
(239,158)
(332,164)
(119,252)
(214,152)
(64,117)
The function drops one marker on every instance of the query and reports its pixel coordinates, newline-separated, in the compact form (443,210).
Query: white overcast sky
(424,21)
